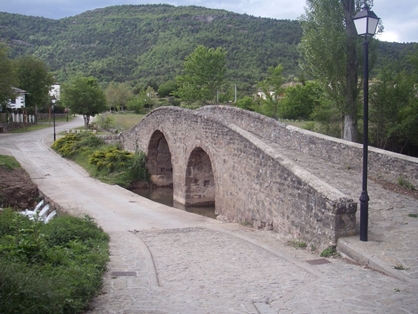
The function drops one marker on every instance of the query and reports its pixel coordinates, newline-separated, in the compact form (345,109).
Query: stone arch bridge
(248,165)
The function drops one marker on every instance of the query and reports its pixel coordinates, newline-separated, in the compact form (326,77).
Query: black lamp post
(366,24)
(53,112)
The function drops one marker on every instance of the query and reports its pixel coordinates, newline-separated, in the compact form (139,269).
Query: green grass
(9,162)
(405,183)
(32,127)
(124,120)
(50,268)
(298,244)
(330,251)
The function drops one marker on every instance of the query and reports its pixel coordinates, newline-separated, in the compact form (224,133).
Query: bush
(65,229)
(73,143)
(246,103)
(138,170)
(109,164)
(110,159)
(166,89)
(50,268)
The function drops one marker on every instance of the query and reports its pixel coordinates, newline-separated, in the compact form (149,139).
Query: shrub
(110,164)
(110,159)
(137,168)
(65,229)
(50,268)
(73,143)
(246,103)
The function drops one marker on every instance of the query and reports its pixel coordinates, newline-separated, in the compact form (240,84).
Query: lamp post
(366,24)
(53,113)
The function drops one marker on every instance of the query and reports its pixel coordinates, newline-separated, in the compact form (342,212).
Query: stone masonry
(253,182)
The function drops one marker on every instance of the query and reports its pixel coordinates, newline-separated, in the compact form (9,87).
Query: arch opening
(200,181)
(158,161)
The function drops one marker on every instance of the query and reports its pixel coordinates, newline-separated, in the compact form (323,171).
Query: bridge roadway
(165,260)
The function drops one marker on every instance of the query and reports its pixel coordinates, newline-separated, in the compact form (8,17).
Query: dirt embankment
(16,189)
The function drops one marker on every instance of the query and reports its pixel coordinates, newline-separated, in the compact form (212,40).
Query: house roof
(19,91)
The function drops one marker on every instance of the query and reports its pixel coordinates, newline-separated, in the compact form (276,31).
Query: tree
(144,98)
(34,77)
(83,96)
(118,95)
(203,75)
(7,76)
(407,126)
(273,90)
(390,96)
(329,49)
(167,89)
(299,101)
(246,103)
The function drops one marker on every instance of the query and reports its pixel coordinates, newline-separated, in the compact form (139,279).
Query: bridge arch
(253,181)
(159,162)
(199,179)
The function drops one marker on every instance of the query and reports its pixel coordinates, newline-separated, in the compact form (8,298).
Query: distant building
(19,100)
(55,91)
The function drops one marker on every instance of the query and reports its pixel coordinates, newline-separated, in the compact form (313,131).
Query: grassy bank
(105,162)
(50,268)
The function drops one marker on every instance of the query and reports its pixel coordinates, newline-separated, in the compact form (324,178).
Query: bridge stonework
(221,154)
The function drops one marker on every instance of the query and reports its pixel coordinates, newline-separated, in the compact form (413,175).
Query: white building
(19,100)
(55,91)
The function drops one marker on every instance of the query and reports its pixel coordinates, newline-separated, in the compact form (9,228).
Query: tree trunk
(86,120)
(350,128)
(351,88)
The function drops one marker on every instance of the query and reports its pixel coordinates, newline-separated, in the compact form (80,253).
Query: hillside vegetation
(147,44)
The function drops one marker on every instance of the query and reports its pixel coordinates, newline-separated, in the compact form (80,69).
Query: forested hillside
(148,43)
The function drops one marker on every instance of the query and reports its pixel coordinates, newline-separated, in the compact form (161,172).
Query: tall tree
(272,89)
(34,77)
(390,96)
(407,127)
(118,95)
(6,76)
(203,74)
(299,101)
(84,96)
(329,49)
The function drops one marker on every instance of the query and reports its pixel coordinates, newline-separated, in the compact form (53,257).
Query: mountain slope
(148,43)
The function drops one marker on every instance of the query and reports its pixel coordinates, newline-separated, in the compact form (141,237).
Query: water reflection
(164,195)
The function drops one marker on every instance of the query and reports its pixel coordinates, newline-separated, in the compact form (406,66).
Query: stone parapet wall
(50,116)
(254,183)
(382,164)
(7,127)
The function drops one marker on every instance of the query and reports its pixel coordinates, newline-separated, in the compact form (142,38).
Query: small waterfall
(39,214)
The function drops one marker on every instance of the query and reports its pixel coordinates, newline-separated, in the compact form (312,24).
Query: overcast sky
(400,17)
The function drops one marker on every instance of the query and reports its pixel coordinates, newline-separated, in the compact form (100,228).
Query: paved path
(164,260)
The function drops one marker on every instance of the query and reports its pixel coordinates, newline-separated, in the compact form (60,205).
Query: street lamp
(366,24)
(53,112)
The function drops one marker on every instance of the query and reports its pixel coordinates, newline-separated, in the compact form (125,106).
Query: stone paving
(234,269)
(393,234)
(164,260)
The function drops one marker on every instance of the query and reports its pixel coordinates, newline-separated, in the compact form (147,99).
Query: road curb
(349,246)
